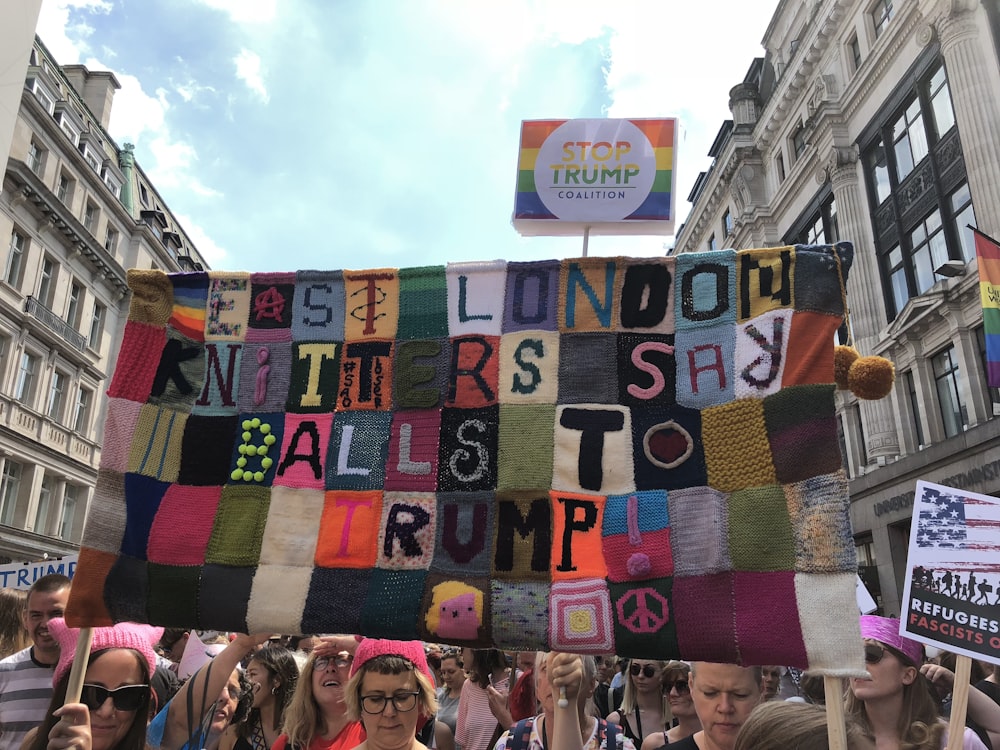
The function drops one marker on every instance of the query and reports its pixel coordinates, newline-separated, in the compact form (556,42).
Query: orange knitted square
(349,529)
(577,545)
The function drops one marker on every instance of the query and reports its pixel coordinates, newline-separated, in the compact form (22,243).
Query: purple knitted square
(119,428)
(767,619)
(532,296)
(462,542)
(318,308)
(265,376)
(520,612)
(703,613)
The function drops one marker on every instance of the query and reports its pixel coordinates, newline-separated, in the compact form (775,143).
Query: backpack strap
(520,734)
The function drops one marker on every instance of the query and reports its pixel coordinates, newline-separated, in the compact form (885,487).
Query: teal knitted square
(392,606)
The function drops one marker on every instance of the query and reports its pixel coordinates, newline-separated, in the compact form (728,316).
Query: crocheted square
(819,286)
(349,529)
(766,602)
(136,365)
(636,536)
(523,536)
(420,373)
(277,597)
(765,281)
(220,383)
(359,449)
(456,611)
(392,605)
(467,454)
(239,526)
(476,297)
(819,508)
(183,524)
(644,619)
(580,618)
(833,644)
(520,614)
(228,306)
(525,446)
(532,296)
(802,432)
(474,371)
(156,445)
(406,530)
(152,296)
(302,457)
(737,453)
(328,591)
(126,590)
(365,376)
(423,294)
(180,374)
(314,377)
(173,594)
(86,601)
(762,354)
(106,517)
(647,367)
(593,449)
(646,294)
(706,366)
(223,595)
(413,451)
(119,427)
(272,303)
(142,499)
(293,519)
(255,452)
(318,307)
(587,294)
(668,449)
(699,523)
(529,367)
(265,376)
(580,356)
(809,342)
(705,290)
(576,536)
(462,543)
(760,531)
(703,614)
(372,304)
(190,295)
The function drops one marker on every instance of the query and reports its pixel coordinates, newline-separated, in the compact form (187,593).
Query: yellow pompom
(871,377)
(843,358)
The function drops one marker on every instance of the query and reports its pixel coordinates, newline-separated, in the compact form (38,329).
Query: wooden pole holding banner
(836,727)
(79,668)
(959,701)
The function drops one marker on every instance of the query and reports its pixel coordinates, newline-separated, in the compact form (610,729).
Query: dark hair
(48,584)
(280,664)
(484,662)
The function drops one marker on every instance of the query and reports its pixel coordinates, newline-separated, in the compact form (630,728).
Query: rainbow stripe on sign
(988,255)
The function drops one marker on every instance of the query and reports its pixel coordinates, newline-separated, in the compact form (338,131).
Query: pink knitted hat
(123,635)
(886,630)
(413,651)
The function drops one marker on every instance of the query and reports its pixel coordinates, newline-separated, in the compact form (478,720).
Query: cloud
(246,11)
(66,40)
(216,256)
(248,70)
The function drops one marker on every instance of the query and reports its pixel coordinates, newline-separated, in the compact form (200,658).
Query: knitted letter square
(256,450)
(761,354)
(647,367)
(365,376)
(314,377)
(272,302)
(349,529)
(359,448)
(532,299)
(303,451)
(265,376)
(593,449)
(318,307)
(476,298)
(228,306)
(413,451)
(406,531)
(705,293)
(372,304)
(523,542)
(180,373)
(705,360)
(529,367)
(473,372)
(765,281)
(462,543)
(421,373)
(221,379)
(576,536)
(587,291)
(467,455)
(646,295)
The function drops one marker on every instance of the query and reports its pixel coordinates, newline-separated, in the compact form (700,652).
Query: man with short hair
(723,695)
(26,677)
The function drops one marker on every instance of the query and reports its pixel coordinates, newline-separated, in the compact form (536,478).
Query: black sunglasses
(875,652)
(647,669)
(125,698)
(681,686)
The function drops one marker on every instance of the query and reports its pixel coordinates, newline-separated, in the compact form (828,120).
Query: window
(727,223)
(90,217)
(909,140)
(65,191)
(96,326)
(45,492)
(42,93)
(81,420)
(929,250)
(71,501)
(877,166)
(799,141)
(712,244)
(948,381)
(860,435)
(46,282)
(57,396)
(10,486)
(35,154)
(15,259)
(843,446)
(779,166)
(881,14)
(994,393)
(113,183)
(961,207)
(111,240)
(911,394)
(93,158)
(854,52)
(69,128)
(940,95)
(73,308)
(143,195)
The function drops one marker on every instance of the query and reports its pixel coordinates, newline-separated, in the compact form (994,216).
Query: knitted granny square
(406,531)
(277,598)
(636,536)
(314,376)
(271,306)
(413,451)
(392,605)
(180,374)
(349,529)
(423,294)
(456,611)
(703,614)
(764,281)
(821,522)
(334,601)
(359,448)
(318,307)
(761,354)
(760,531)
(833,644)
(156,445)
(239,526)
(476,297)
(183,524)
(365,376)
(520,613)
(173,594)
(293,520)
(667,448)
(818,285)
(764,601)
(119,427)
(576,536)
(126,589)
(705,290)
(523,536)
(221,379)
(581,355)
(643,618)
(809,342)
(372,304)
(88,604)
(646,294)
(303,451)
(705,360)
(467,454)
(802,432)
(421,372)
(106,517)
(190,293)
(647,368)
(142,499)
(138,356)
(462,543)
(737,453)
(228,306)
(593,449)
(265,376)
(529,367)
(580,619)
(587,294)
(474,371)
(152,296)
(525,446)
(699,518)
(532,296)
(223,595)
(256,448)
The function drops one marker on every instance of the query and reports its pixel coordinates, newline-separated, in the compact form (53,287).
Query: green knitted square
(525,446)
(239,526)
(423,294)
(760,530)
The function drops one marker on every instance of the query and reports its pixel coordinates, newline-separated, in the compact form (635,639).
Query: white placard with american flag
(952,594)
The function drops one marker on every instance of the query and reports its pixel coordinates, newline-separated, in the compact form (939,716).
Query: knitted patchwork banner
(596,455)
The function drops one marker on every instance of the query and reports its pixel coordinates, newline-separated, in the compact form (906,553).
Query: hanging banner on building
(988,259)
(951,598)
(612,176)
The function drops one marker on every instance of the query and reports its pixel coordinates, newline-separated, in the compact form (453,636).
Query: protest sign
(22,575)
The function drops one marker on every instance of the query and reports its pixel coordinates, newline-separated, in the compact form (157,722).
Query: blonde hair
(778,725)
(389,664)
(629,697)
(445,592)
(13,635)
(302,719)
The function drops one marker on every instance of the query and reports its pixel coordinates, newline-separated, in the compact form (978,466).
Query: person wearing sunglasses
(677,689)
(644,709)
(317,717)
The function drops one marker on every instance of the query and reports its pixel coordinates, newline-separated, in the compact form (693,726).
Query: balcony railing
(53,322)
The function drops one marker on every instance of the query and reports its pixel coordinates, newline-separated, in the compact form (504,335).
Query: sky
(288,134)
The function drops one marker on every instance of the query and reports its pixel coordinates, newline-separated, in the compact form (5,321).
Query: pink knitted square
(119,427)
(413,451)
(303,451)
(138,360)
(764,600)
(183,524)
(580,617)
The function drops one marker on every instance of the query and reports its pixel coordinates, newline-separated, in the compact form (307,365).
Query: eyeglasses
(681,686)
(874,652)
(647,669)
(402,702)
(340,660)
(125,698)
